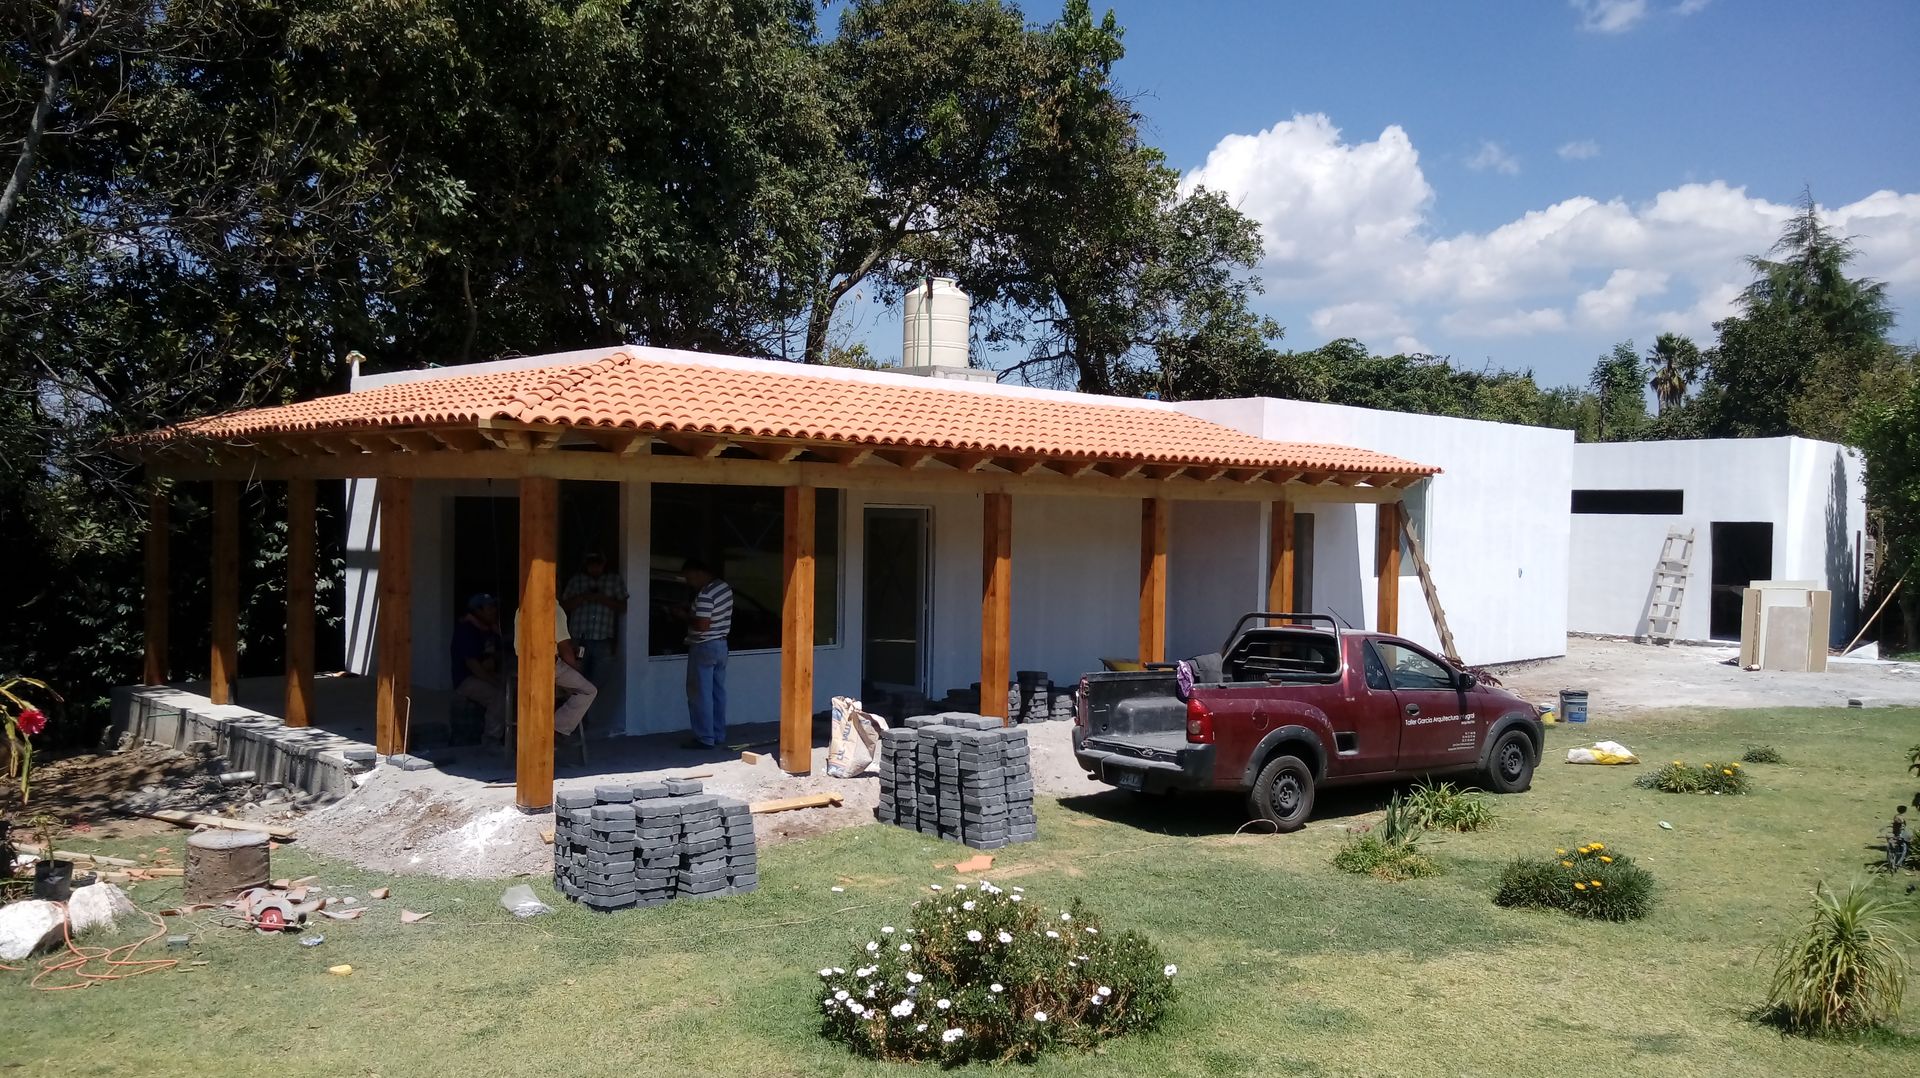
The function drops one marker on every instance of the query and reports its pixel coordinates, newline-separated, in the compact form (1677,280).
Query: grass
(1287,965)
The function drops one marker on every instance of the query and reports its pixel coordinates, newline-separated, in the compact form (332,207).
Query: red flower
(32,721)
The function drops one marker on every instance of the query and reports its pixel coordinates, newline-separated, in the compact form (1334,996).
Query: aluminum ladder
(1670,575)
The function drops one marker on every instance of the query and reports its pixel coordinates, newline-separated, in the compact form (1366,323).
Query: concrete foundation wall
(308,759)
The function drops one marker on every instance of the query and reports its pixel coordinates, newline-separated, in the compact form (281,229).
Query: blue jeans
(707,691)
(596,659)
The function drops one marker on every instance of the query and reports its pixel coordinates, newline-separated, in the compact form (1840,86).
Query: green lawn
(1288,966)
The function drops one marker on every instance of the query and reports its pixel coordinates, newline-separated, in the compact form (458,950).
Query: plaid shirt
(594,621)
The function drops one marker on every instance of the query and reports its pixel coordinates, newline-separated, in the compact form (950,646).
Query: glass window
(1412,670)
(1376,670)
(740,531)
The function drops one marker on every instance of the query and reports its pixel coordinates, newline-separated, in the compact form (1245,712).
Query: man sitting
(476,653)
(566,672)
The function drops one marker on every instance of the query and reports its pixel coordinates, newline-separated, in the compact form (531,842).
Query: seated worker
(477,654)
(566,672)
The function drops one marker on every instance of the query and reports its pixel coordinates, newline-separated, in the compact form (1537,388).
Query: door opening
(1742,553)
(894,644)
(1303,562)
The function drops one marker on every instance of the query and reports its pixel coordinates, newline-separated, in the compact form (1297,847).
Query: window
(1411,670)
(1657,503)
(1264,654)
(1375,669)
(740,531)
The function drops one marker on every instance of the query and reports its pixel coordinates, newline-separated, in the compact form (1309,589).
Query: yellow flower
(1566,864)
(1598,846)
(1562,853)
(1677,763)
(1726,771)
(1608,860)
(1579,886)
(1734,764)
(1596,884)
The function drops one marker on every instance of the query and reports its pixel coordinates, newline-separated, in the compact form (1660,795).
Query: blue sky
(1525,183)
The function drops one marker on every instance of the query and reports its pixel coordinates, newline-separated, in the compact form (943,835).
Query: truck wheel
(1510,766)
(1283,794)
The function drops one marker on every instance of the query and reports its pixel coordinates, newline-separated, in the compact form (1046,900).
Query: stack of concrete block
(625,846)
(968,778)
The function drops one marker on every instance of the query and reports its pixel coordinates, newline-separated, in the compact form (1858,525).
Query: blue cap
(480,601)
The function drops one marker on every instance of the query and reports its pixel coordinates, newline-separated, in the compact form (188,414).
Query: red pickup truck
(1293,703)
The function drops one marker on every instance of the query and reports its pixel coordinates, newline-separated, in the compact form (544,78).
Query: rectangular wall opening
(1742,553)
(1656,503)
(894,648)
(740,532)
(1303,562)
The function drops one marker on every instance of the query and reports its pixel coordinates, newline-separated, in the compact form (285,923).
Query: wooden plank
(796,633)
(393,614)
(201,819)
(224,661)
(154,670)
(1425,572)
(996,604)
(1386,565)
(539,542)
(300,583)
(1280,557)
(1156,519)
(787,804)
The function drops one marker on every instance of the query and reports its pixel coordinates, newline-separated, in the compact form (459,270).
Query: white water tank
(934,333)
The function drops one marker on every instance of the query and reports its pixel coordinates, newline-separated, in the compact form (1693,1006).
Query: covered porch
(639,418)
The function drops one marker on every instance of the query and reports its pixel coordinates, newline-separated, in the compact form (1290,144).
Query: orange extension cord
(119,961)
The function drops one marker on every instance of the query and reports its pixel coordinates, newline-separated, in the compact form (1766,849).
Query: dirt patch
(94,790)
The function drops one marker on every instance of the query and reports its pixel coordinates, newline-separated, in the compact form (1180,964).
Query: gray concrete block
(683,787)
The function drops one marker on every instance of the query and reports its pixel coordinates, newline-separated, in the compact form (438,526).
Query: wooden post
(534,636)
(1386,564)
(300,535)
(155,671)
(1155,522)
(1280,595)
(796,634)
(996,605)
(224,661)
(393,659)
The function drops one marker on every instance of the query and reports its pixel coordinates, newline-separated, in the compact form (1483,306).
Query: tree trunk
(29,146)
(819,322)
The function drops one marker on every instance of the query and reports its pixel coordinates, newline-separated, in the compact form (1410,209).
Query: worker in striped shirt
(708,621)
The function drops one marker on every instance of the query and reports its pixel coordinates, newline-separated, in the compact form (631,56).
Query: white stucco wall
(1811,492)
(1494,523)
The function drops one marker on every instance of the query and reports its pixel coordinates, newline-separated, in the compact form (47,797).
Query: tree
(1619,406)
(1887,430)
(1673,363)
(1808,277)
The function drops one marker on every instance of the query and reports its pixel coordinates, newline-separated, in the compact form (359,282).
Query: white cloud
(1691,7)
(1579,150)
(1610,306)
(1609,16)
(1493,156)
(1512,323)
(1364,319)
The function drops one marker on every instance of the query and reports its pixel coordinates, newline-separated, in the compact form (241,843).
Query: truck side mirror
(1467,680)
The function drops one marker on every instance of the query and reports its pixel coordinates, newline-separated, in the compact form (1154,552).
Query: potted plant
(52,876)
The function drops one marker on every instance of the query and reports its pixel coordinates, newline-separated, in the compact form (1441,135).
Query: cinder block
(683,787)
(573,799)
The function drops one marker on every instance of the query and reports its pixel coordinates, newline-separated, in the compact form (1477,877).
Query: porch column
(299,673)
(796,634)
(225,586)
(1280,558)
(1386,564)
(155,669)
(393,646)
(996,605)
(539,541)
(1155,522)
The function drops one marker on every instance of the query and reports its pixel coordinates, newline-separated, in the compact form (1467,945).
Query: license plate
(1127,778)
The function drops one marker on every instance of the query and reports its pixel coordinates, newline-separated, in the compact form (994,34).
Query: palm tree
(1673,362)
(1807,275)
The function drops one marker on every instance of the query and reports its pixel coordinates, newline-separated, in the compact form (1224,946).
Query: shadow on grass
(1194,814)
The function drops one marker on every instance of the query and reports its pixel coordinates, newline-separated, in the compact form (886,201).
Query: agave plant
(1844,971)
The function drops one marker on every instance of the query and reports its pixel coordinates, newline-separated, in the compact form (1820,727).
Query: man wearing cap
(476,653)
(594,599)
(709,620)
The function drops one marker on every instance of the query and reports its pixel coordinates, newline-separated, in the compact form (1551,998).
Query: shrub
(1843,971)
(1446,807)
(1762,754)
(1709,778)
(1390,850)
(982,974)
(1588,881)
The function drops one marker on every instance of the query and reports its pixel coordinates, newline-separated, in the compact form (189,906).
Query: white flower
(828,1004)
(1039,1016)
(959,886)
(1096,1001)
(973,935)
(1052,935)
(837,969)
(872,946)
(1066,917)
(943,1004)
(1019,890)
(996,988)
(856,1008)
(967,905)
(921,1028)
(841,995)
(838,890)
(902,1008)
(915,978)
(1171,969)
(952,1035)
(1091,931)
(1104,991)
(935,886)
(1005,936)
(905,947)
(1016,898)
(1083,958)
(826,973)
(949,909)
(886,930)
(871,989)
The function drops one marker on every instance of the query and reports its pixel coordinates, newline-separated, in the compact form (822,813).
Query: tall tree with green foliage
(1673,363)
(1619,403)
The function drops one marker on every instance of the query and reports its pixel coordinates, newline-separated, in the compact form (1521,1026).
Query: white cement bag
(1602,752)
(855,740)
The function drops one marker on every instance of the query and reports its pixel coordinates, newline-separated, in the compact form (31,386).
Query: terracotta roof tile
(624,390)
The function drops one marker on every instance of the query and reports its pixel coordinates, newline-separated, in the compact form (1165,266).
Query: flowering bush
(982,973)
(1679,777)
(23,721)
(1586,881)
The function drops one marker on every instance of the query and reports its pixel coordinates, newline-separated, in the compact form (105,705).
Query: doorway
(486,554)
(894,645)
(1303,562)
(1742,553)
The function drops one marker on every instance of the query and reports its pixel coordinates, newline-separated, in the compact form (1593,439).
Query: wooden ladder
(1433,594)
(1670,586)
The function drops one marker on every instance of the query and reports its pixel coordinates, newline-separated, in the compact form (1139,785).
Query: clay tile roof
(639,392)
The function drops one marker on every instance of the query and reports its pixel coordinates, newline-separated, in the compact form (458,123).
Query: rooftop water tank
(934,332)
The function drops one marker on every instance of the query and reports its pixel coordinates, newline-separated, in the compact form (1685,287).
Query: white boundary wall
(1813,493)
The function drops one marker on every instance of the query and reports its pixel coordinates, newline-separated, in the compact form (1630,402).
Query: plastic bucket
(53,880)
(1573,705)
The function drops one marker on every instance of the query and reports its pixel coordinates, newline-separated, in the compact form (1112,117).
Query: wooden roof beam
(1246,475)
(619,441)
(1121,469)
(1165,472)
(908,459)
(1208,474)
(968,462)
(1024,466)
(698,447)
(850,457)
